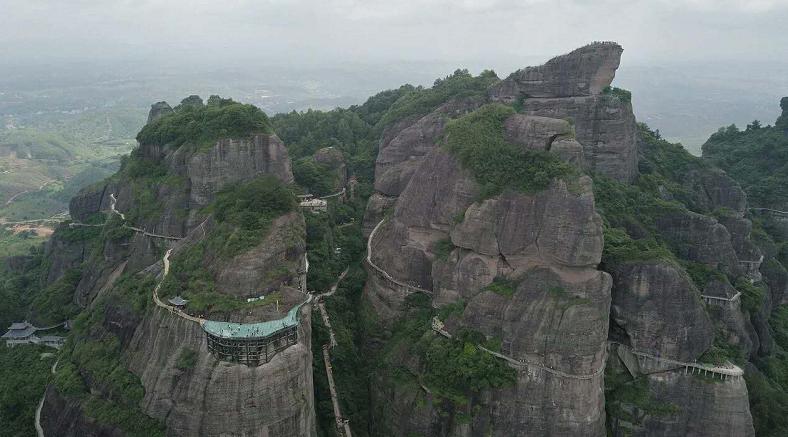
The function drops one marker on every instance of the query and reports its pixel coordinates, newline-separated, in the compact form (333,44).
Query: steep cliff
(208,186)
(538,264)
(574,87)
(677,270)
(516,267)
(755,157)
(509,257)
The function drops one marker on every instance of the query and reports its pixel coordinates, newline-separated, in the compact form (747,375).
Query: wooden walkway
(383,274)
(776,211)
(114,200)
(646,361)
(173,310)
(721,301)
(343,424)
(438,327)
(39,428)
(337,194)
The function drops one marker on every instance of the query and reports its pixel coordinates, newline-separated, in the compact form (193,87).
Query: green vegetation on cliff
(201,125)
(24,374)
(454,370)
(352,131)
(314,177)
(757,158)
(477,140)
(92,369)
(243,215)
(245,212)
(420,101)
(619,93)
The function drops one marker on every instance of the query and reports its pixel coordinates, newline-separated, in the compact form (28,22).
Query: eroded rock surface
(661,311)
(583,72)
(548,243)
(217,398)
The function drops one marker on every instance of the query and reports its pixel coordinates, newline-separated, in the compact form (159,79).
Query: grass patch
(186,360)
(504,287)
(623,392)
(722,352)
(245,212)
(701,274)
(620,248)
(443,248)
(457,368)
(751,294)
(477,140)
(619,93)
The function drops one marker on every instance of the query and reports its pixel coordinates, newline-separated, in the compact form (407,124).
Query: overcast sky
(372,31)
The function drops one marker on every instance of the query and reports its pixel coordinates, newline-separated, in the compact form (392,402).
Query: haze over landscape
(448,218)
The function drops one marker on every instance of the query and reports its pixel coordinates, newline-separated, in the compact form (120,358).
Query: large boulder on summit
(782,121)
(583,72)
(572,87)
(158,110)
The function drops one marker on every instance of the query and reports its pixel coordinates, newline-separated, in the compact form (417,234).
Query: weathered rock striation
(583,72)
(216,398)
(208,397)
(549,244)
(444,241)
(572,87)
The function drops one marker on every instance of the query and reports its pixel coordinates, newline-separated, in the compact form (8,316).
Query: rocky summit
(485,257)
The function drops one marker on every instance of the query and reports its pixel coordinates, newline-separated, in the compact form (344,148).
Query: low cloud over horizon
(338,31)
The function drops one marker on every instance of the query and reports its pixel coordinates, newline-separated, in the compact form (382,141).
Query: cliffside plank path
(383,274)
(343,425)
(646,361)
(770,210)
(39,428)
(331,196)
(723,372)
(721,301)
(247,343)
(438,327)
(113,201)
